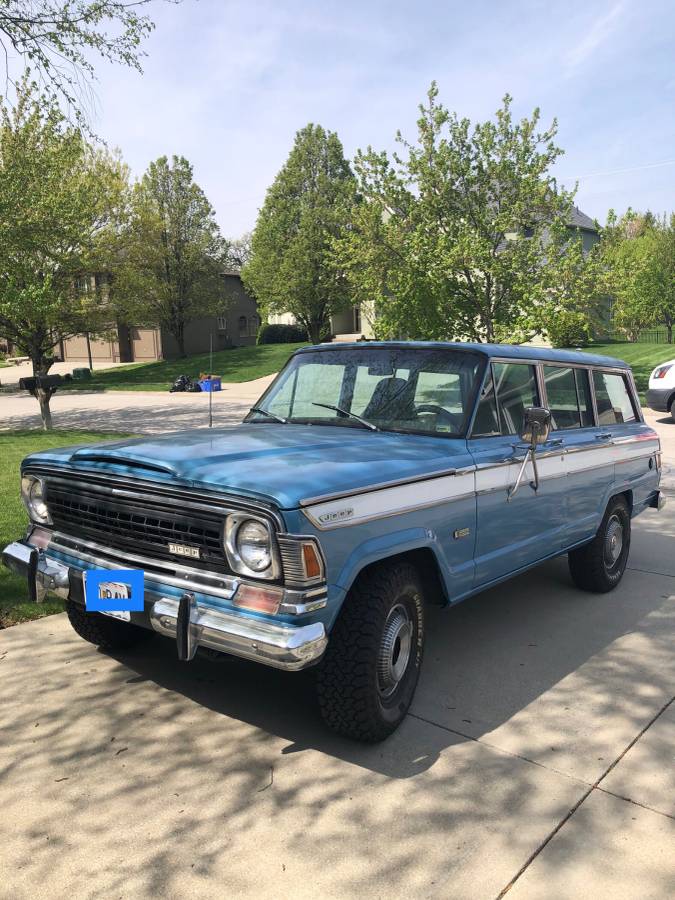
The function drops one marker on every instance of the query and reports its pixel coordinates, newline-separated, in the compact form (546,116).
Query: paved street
(141,412)
(537,759)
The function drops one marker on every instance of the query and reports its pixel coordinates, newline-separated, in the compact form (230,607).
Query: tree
(639,251)
(58,198)
(56,39)
(306,209)
(172,257)
(462,233)
(239,252)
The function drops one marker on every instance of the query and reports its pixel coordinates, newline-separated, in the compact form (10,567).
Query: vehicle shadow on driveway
(488,663)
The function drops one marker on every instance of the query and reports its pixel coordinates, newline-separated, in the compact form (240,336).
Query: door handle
(604,436)
(556,442)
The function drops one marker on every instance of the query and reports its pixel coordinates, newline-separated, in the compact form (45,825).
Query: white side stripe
(362,507)
(374,503)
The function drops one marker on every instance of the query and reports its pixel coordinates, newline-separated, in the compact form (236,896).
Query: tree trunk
(41,365)
(670,332)
(44,397)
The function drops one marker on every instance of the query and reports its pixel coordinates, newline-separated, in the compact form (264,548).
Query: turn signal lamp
(310,558)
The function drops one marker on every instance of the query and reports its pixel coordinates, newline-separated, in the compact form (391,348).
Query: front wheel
(599,566)
(367,678)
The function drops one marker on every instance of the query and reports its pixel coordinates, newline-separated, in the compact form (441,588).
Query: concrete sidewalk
(537,760)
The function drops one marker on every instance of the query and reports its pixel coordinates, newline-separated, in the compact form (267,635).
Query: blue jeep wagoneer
(369,480)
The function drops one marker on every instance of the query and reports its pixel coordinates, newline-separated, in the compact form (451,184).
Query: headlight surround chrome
(250,546)
(33,495)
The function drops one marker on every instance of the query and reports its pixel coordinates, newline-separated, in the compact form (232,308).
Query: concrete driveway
(538,759)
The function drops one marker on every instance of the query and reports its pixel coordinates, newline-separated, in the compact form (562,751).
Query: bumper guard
(283,646)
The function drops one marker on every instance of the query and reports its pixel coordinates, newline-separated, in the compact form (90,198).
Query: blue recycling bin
(211,384)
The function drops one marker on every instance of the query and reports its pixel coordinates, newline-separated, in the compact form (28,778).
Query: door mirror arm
(536,429)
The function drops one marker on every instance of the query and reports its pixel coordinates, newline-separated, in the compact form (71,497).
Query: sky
(228,84)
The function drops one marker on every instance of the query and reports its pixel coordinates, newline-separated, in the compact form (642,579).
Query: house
(357,321)
(236,326)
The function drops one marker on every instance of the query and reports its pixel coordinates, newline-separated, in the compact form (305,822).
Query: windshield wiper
(345,412)
(266,412)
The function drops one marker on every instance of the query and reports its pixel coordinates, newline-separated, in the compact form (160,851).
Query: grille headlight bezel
(242,559)
(34,497)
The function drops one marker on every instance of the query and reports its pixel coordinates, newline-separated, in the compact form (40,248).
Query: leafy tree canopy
(59,200)
(639,253)
(306,209)
(57,40)
(172,255)
(464,233)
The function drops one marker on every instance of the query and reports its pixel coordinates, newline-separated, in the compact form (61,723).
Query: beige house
(237,326)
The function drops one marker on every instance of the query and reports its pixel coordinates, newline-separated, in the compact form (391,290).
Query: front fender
(384,546)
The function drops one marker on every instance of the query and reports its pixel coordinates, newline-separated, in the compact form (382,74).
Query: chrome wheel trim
(395,650)
(613,541)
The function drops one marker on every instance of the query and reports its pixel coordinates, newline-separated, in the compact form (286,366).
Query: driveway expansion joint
(596,786)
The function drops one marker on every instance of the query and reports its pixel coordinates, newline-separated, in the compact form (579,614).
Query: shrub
(568,329)
(281,334)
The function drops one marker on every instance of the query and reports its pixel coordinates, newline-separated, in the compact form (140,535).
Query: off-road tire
(591,566)
(105,632)
(352,676)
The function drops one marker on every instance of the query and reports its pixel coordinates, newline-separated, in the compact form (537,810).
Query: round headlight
(32,492)
(253,545)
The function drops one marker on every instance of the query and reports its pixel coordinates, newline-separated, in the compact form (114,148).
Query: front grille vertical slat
(126,524)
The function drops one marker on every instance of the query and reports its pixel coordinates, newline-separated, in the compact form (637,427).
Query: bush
(569,329)
(281,334)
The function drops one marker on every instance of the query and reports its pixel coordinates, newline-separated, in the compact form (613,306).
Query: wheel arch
(417,548)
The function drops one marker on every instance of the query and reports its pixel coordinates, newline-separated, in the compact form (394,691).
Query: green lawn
(642,358)
(239,364)
(14,445)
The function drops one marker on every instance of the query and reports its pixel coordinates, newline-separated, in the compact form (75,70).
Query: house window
(222,323)
(243,326)
(253,324)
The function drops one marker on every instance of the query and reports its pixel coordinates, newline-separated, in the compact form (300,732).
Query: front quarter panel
(350,546)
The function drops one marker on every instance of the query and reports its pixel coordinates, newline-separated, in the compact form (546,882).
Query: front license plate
(113,590)
(123,614)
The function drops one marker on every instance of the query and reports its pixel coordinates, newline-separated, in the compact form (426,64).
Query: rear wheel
(105,632)
(599,566)
(367,678)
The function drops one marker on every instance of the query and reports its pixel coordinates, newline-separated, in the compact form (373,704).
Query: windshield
(408,389)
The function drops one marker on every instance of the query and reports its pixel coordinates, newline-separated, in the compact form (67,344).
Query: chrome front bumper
(281,645)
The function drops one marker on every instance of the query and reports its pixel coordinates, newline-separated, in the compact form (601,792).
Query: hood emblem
(184,550)
(339,515)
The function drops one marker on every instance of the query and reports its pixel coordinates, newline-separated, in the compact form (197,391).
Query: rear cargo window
(612,398)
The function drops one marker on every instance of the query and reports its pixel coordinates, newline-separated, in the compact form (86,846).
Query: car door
(589,470)
(513,531)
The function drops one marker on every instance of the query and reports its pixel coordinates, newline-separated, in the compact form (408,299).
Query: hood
(279,463)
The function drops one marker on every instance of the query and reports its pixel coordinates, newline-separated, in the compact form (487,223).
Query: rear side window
(612,398)
(569,397)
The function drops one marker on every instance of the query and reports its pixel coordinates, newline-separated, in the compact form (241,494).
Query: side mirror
(536,425)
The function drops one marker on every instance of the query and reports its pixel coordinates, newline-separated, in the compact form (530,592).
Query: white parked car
(661,392)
